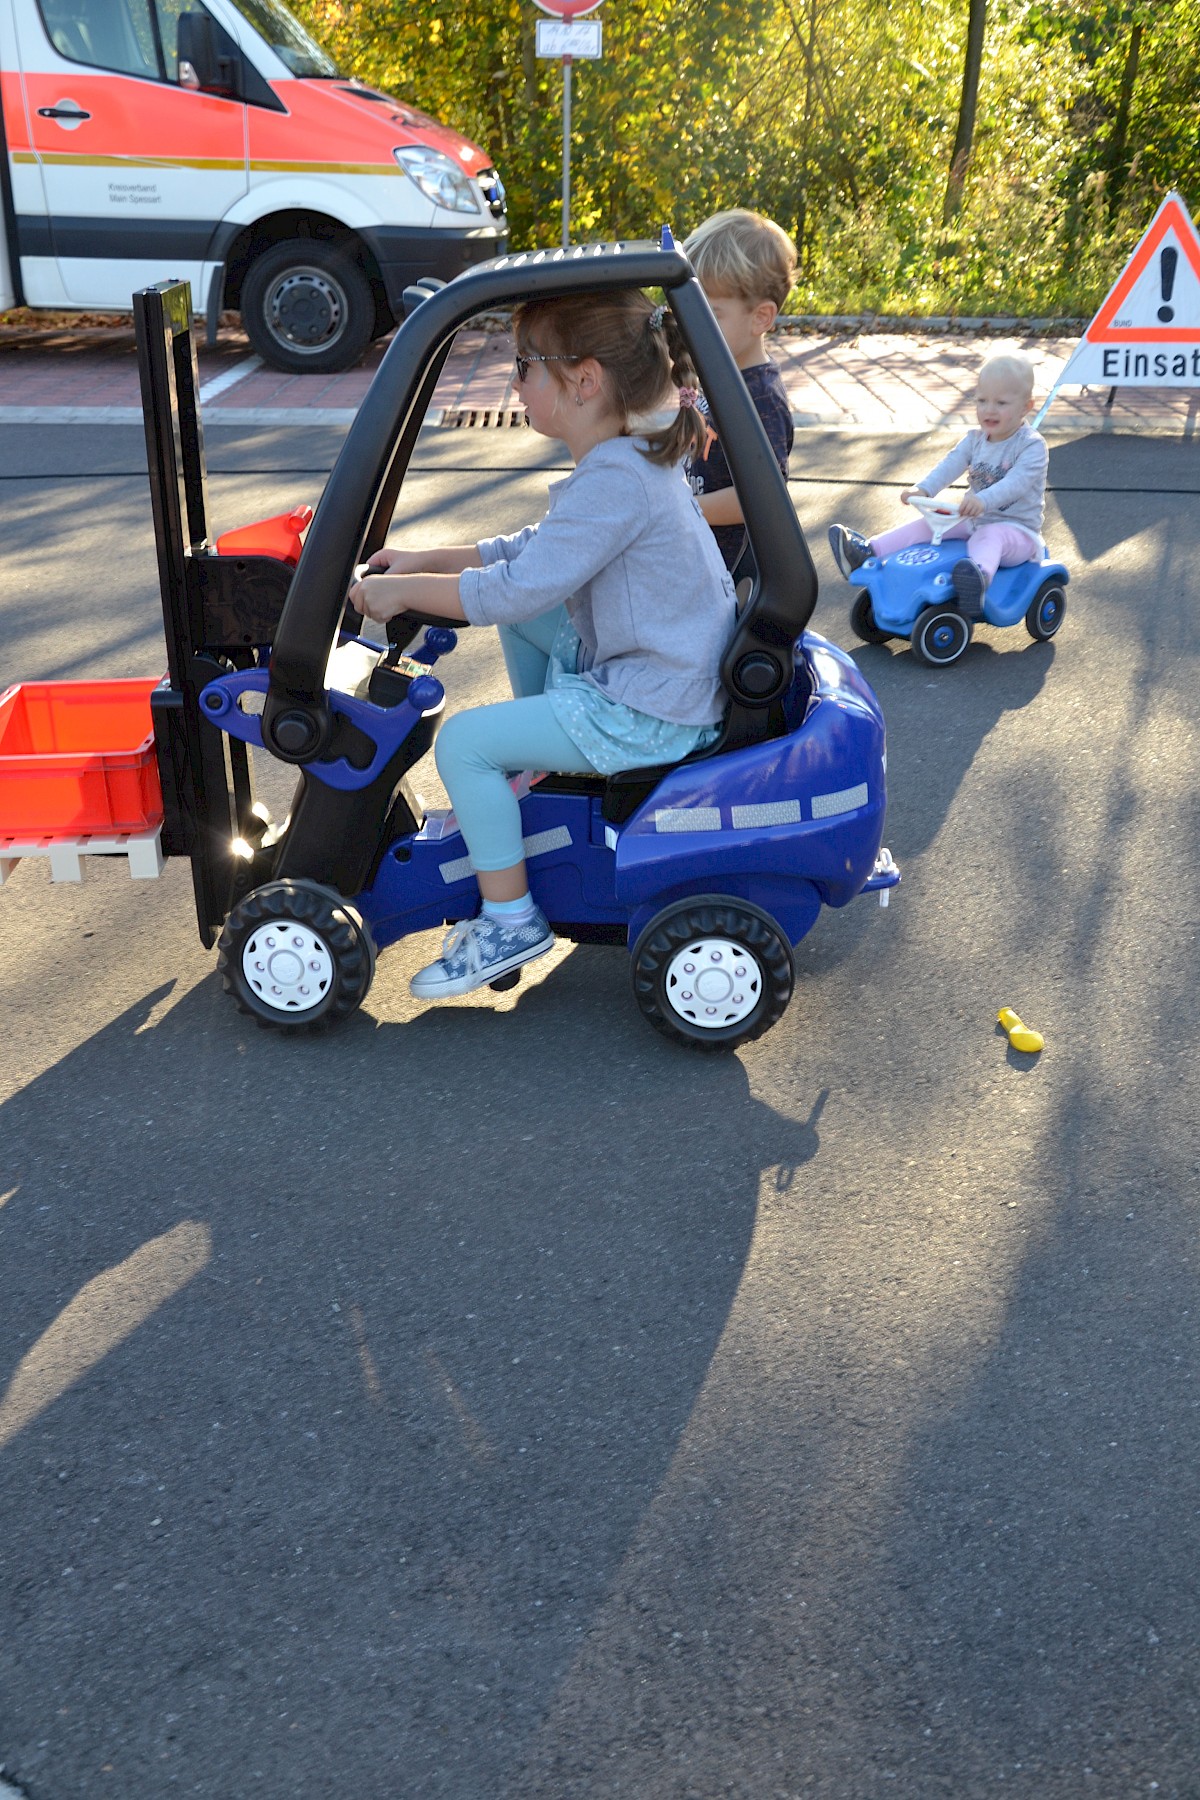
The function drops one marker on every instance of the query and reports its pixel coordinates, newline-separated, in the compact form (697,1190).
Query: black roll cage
(356,508)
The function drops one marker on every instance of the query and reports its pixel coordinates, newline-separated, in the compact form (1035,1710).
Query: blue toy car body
(775,829)
(788,824)
(910,594)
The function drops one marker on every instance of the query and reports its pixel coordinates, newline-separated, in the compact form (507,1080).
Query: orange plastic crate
(77,758)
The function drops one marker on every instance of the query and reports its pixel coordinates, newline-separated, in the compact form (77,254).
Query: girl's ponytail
(687,432)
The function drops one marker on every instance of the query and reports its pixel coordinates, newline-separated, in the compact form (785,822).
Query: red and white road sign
(567,9)
(1147,332)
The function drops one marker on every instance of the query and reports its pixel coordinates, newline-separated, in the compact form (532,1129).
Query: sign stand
(1147,331)
(566,174)
(564,38)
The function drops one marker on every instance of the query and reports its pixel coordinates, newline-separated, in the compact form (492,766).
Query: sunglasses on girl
(524,362)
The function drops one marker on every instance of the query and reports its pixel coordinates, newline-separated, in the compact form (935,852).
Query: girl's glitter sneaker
(479,950)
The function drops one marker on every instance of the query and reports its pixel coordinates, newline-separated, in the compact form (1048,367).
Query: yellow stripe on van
(65,158)
(315,168)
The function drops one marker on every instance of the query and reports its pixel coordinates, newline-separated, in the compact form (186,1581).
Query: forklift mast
(219,613)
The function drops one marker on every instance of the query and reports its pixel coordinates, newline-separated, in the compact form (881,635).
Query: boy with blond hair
(746,265)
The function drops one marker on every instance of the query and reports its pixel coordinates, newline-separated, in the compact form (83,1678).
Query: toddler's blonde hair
(741,252)
(1011,367)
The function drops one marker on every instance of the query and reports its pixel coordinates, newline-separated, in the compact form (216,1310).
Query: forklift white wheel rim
(287,965)
(713,983)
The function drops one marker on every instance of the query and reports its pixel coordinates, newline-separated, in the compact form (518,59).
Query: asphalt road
(494,1401)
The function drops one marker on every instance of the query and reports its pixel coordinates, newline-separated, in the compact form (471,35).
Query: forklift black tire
(742,963)
(307,307)
(295,956)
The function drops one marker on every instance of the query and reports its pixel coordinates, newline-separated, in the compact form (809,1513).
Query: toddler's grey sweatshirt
(1011,477)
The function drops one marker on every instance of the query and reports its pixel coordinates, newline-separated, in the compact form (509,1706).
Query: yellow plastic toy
(1019,1034)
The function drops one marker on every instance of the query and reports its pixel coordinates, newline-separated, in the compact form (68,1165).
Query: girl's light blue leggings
(476,750)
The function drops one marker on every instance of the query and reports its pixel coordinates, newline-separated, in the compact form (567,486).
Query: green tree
(839,118)
(964,136)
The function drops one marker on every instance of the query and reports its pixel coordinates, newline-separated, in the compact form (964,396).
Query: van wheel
(307,307)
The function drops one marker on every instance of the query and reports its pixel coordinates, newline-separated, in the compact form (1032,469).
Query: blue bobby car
(909,594)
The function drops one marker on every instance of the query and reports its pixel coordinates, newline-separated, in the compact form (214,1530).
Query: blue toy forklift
(709,871)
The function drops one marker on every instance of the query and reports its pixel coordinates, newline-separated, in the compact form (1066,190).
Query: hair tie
(688,397)
(657,315)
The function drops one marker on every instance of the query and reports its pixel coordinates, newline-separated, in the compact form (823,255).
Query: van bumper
(404,254)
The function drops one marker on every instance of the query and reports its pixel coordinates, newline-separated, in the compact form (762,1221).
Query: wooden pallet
(142,849)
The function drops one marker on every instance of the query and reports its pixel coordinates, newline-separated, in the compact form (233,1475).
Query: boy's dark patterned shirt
(709,472)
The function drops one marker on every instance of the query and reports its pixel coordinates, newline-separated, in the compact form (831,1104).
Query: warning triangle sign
(1147,331)
(1156,297)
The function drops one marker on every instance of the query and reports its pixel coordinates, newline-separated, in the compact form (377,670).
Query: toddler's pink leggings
(992,547)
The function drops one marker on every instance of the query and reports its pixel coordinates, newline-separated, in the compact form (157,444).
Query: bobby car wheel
(940,636)
(1046,611)
(862,620)
(293,954)
(712,972)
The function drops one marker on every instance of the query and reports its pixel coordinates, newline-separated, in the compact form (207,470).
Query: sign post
(1147,332)
(565,36)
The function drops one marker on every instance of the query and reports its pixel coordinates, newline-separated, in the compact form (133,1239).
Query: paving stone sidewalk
(872,382)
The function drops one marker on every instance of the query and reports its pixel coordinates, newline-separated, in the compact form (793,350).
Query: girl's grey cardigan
(628,551)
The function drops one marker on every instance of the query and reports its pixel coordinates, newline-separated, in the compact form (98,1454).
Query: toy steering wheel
(939,514)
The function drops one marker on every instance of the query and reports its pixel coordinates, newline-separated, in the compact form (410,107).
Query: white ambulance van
(214,141)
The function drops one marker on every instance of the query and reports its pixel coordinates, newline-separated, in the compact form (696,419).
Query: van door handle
(62,112)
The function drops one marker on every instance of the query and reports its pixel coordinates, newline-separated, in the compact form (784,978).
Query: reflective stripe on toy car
(539,844)
(758,818)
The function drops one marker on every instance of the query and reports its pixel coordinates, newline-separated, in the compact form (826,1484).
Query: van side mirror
(208,57)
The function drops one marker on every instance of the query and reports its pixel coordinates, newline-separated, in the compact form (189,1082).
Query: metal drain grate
(483,415)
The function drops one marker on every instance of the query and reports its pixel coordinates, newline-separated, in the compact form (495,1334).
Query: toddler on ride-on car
(1001,515)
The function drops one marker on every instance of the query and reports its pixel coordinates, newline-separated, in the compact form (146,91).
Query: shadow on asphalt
(938,718)
(1132,467)
(1044,1522)
(355,1484)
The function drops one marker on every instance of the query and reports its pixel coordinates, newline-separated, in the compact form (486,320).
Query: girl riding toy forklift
(702,805)
(614,611)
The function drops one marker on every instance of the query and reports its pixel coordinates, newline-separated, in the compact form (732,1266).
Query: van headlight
(439,178)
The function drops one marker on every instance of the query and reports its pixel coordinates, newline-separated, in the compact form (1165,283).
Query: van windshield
(287,37)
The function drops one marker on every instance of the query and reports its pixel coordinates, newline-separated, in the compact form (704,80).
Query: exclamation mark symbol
(1167,264)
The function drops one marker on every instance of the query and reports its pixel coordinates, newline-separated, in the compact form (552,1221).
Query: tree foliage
(836,117)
